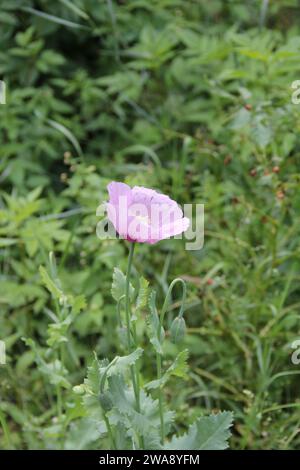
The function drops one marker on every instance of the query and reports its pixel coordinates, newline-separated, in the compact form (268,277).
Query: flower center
(143,218)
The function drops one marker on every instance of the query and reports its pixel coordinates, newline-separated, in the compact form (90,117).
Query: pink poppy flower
(144,215)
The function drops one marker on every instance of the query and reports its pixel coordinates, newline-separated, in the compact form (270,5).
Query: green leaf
(143,294)
(178,368)
(207,433)
(55,373)
(41,234)
(58,332)
(7,241)
(146,423)
(78,303)
(241,119)
(90,389)
(254,54)
(122,364)
(83,433)
(118,285)
(262,134)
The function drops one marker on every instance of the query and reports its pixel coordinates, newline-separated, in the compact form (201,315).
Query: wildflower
(144,215)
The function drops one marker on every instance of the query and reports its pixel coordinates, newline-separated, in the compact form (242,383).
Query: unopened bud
(79,389)
(105,401)
(177,330)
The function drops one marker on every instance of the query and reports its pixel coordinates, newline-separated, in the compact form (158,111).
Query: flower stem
(160,399)
(127,312)
(109,431)
(134,369)
(127,299)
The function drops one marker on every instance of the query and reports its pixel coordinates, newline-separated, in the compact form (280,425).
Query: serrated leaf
(123,363)
(178,368)
(146,423)
(7,241)
(153,325)
(91,387)
(53,18)
(83,433)
(58,331)
(54,371)
(207,433)
(142,297)
(119,285)
(78,303)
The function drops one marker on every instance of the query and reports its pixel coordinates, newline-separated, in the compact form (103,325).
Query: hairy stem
(109,430)
(158,356)
(160,399)
(134,369)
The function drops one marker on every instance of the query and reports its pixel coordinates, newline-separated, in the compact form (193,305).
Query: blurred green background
(192,98)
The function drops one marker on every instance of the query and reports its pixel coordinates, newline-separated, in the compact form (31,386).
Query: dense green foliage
(190,97)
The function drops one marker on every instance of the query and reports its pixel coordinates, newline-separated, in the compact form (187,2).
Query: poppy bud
(105,401)
(79,389)
(177,330)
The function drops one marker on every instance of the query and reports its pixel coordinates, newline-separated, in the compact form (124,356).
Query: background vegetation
(193,98)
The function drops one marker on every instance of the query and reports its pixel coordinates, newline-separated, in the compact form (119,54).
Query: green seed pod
(177,330)
(105,401)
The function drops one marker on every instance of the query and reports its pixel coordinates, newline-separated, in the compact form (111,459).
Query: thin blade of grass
(75,9)
(54,19)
